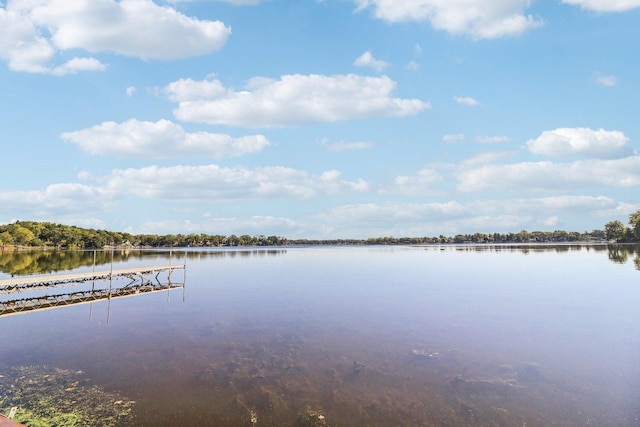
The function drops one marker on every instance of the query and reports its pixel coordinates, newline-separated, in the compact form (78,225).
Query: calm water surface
(356,336)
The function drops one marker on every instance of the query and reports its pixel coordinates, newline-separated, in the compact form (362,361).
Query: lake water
(351,336)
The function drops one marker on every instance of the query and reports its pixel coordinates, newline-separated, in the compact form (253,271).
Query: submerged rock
(312,418)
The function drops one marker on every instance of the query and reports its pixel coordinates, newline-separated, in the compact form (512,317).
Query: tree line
(48,234)
(616,230)
(60,236)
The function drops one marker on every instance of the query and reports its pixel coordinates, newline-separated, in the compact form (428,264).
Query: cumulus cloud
(605,5)
(466,100)
(481,19)
(545,208)
(220,184)
(392,212)
(160,139)
(419,184)
(222,225)
(385,219)
(585,142)
(35,31)
(543,212)
(55,200)
(21,44)
(367,60)
(549,176)
(290,101)
(186,90)
(76,65)
(453,217)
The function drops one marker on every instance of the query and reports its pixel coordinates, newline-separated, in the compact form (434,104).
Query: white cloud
(492,139)
(160,139)
(221,225)
(290,101)
(34,31)
(605,5)
(387,219)
(76,65)
(548,176)
(485,158)
(574,203)
(55,200)
(420,184)
(219,184)
(185,90)
(452,217)
(349,146)
(21,44)
(607,81)
(580,141)
(453,138)
(466,100)
(482,19)
(544,212)
(367,60)
(619,210)
(131,90)
(234,2)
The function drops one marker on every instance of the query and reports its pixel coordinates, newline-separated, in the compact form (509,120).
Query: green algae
(50,397)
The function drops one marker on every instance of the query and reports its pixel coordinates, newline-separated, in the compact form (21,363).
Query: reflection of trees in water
(34,262)
(523,248)
(51,261)
(620,254)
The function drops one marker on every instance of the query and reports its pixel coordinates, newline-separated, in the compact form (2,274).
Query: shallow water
(353,336)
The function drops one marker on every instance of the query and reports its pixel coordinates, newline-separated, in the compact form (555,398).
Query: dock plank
(51,279)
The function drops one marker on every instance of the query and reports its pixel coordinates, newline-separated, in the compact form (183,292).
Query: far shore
(20,248)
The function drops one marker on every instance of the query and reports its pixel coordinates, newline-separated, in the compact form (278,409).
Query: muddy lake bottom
(344,337)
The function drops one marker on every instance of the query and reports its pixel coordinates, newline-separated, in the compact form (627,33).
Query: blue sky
(320,119)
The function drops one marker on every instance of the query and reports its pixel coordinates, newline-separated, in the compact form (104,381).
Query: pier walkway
(139,284)
(18,284)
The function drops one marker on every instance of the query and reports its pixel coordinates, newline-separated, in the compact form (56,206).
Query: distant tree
(6,238)
(560,236)
(275,240)
(459,238)
(634,222)
(232,240)
(245,240)
(217,240)
(598,234)
(614,230)
(22,235)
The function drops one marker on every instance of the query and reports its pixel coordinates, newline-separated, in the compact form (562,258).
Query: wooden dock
(18,284)
(139,283)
